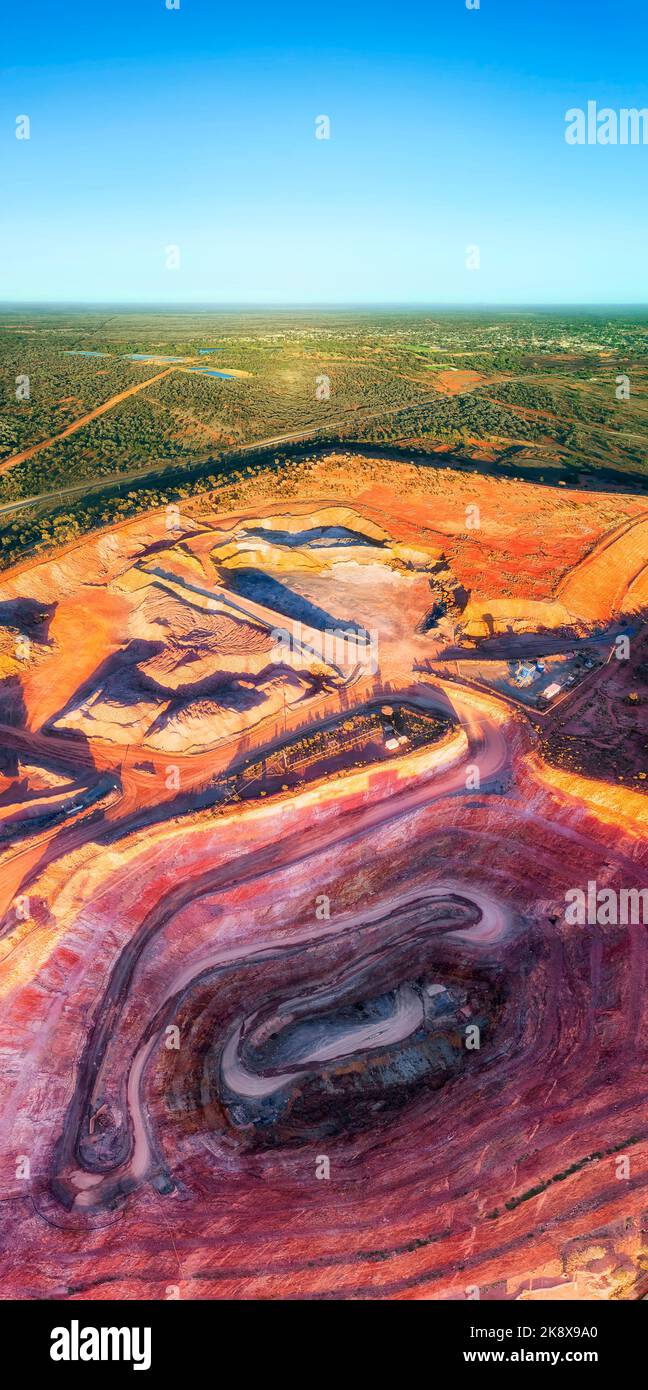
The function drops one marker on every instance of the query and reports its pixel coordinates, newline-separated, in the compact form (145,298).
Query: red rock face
(344,1042)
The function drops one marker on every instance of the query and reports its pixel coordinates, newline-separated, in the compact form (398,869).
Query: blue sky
(195,128)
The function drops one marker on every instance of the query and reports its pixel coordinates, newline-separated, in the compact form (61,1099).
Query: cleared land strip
(85,420)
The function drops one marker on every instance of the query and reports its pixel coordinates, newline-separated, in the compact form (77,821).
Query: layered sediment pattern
(339,1040)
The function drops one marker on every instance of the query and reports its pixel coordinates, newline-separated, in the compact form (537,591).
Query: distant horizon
(287,306)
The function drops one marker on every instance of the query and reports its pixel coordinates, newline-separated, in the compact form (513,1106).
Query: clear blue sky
(153,127)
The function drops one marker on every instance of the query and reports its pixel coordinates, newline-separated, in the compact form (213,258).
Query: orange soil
(616,564)
(85,634)
(454,381)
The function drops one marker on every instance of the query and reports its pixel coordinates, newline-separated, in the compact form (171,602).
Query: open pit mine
(293,794)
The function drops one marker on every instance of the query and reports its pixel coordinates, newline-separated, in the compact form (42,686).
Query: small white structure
(551,691)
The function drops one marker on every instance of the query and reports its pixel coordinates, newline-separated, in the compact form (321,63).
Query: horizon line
(11,305)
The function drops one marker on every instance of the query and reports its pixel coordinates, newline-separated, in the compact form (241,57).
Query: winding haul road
(211,923)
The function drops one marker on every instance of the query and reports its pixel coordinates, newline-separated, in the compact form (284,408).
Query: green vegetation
(535,390)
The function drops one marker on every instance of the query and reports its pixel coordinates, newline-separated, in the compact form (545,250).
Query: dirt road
(290,437)
(85,420)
